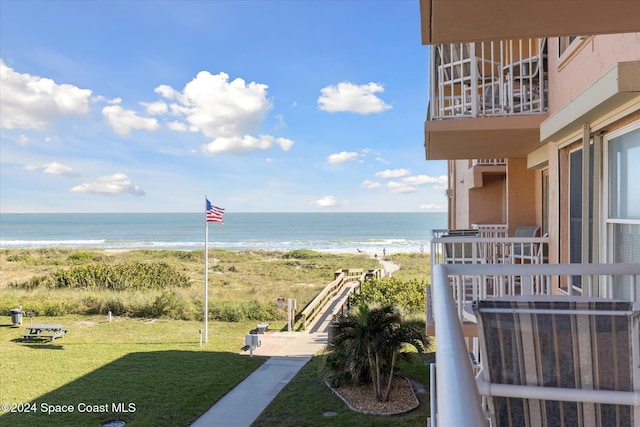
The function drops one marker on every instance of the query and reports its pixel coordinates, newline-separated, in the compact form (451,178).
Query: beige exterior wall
(521,208)
(581,92)
(584,62)
(488,202)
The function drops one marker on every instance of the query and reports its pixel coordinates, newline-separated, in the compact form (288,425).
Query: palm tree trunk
(374,377)
(390,380)
(378,379)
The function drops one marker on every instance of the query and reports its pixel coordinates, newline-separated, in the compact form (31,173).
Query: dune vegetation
(165,284)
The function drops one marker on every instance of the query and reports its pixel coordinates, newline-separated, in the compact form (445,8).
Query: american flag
(214,213)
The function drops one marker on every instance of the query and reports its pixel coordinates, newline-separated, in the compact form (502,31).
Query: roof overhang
(452,21)
(480,138)
(614,89)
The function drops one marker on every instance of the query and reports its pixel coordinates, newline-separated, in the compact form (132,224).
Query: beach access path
(289,352)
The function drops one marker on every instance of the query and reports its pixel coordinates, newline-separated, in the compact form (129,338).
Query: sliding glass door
(623,202)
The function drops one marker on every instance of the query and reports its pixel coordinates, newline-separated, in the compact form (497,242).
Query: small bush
(253,310)
(19,257)
(408,294)
(302,254)
(122,276)
(170,305)
(78,257)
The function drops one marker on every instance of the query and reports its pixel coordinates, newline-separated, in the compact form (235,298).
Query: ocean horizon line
(334,232)
(226,212)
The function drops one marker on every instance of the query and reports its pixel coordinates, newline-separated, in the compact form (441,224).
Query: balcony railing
(499,78)
(456,399)
(488,162)
(472,248)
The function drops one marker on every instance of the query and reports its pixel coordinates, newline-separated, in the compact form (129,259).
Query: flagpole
(206,280)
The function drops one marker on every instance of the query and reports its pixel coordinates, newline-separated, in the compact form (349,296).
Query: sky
(261,106)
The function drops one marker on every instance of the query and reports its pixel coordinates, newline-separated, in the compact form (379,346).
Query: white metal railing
(456,398)
(488,162)
(488,78)
(485,246)
(455,395)
(491,230)
(470,247)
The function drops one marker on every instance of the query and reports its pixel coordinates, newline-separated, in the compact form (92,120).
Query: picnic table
(44,332)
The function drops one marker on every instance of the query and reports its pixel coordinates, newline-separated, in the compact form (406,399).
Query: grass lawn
(307,401)
(147,373)
(153,372)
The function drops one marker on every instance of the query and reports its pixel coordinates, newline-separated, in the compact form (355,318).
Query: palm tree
(366,345)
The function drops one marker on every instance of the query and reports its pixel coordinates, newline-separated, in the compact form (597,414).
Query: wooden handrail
(341,277)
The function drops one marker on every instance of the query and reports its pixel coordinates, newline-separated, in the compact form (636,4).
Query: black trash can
(16,316)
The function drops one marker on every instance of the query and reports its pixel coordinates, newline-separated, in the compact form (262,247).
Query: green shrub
(77,257)
(19,257)
(170,305)
(302,254)
(122,276)
(408,294)
(239,311)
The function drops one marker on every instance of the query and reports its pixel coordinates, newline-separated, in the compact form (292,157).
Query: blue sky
(263,106)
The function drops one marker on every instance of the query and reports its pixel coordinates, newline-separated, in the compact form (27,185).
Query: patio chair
(462,253)
(522,252)
(552,361)
(526,77)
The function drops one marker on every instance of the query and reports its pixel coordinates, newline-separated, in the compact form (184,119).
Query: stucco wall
(584,62)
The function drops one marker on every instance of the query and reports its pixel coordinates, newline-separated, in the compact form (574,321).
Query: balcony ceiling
(488,137)
(449,21)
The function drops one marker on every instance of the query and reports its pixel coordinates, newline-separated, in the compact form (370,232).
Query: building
(513,107)
(536,107)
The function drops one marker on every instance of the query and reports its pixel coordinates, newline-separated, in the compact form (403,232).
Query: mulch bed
(362,398)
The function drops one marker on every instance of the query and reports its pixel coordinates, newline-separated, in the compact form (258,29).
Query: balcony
(502,78)
(541,355)
(500,90)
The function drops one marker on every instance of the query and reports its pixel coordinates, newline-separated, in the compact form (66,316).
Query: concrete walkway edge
(242,405)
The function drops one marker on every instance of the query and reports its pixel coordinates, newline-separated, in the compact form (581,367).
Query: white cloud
(115,184)
(167,92)
(280,123)
(124,121)
(425,179)
(218,107)
(33,102)
(228,112)
(245,143)
(52,168)
(342,157)
(55,168)
(399,187)
(325,202)
(177,126)
(348,97)
(370,185)
(431,207)
(393,173)
(156,108)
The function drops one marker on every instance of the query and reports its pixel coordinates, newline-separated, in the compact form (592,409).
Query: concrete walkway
(289,352)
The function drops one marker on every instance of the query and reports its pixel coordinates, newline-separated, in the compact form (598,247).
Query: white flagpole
(206,277)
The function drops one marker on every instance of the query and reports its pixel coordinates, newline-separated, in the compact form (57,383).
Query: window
(564,43)
(623,202)
(575,208)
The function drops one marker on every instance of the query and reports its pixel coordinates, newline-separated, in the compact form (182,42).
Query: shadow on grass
(43,346)
(156,388)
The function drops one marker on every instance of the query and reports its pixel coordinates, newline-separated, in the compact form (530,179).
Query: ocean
(327,232)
